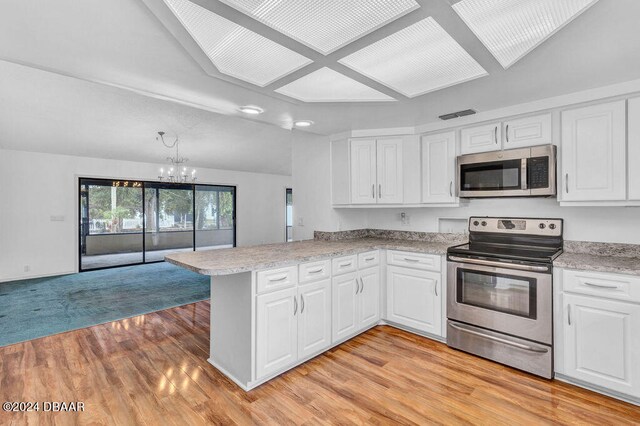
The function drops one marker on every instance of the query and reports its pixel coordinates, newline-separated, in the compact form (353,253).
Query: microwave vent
(457,114)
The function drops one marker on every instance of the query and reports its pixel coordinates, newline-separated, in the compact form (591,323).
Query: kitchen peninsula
(276,306)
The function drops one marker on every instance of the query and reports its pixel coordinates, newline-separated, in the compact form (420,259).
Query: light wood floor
(152,370)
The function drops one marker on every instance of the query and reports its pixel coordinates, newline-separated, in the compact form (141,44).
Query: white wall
(36,186)
(312,190)
(312,201)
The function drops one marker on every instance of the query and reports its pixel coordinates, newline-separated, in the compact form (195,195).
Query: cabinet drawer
(612,286)
(314,271)
(277,279)
(428,262)
(342,265)
(370,258)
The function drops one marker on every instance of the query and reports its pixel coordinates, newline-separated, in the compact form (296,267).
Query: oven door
(501,298)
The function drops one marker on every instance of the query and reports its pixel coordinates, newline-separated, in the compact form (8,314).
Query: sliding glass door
(168,219)
(111,215)
(127,223)
(215,216)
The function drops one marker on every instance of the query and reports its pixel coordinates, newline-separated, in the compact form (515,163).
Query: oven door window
(493,176)
(509,294)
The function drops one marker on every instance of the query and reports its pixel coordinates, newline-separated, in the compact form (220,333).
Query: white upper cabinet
(483,138)
(634,149)
(363,171)
(528,131)
(593,153)
(389,176)
(439,168)
(376,171)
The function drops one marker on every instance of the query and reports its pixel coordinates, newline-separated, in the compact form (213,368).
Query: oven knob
(484,223)
(542,226)
(552,226)
(476,223)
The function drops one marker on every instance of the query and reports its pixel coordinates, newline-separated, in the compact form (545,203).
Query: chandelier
(177,171)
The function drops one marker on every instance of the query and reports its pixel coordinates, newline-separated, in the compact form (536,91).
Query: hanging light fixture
(177,172)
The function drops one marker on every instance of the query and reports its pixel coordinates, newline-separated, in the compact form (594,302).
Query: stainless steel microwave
(523,172)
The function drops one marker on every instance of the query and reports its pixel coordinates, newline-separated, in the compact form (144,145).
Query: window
(132,222)
(289,215)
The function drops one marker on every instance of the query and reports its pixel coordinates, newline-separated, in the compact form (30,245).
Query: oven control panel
(528,226)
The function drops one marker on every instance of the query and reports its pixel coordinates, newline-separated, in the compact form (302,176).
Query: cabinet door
(363,171)
(390,176)
(601,344)
(277,331)
(344,316)
(528,131)
(369,297)
(634,149)
(414,299)
(481,138)
(439,168)
(593,153)
(314,321)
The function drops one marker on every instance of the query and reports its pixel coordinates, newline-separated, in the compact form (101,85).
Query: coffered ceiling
(393,63)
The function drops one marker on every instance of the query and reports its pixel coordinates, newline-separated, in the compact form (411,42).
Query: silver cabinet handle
(569,314)
(495,134)
(566,182)
(507,132)
(501,340)
(275,280)
(295,305)
(500,264)
(451,189)
(302,301)
(435,288)
(600,285)
(369,259)
(344,265)
(357,286)
(362,287)
(315,271)
(373,190)
(408,259)
(380,190)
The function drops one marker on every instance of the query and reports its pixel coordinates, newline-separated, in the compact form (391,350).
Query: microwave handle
(523,172)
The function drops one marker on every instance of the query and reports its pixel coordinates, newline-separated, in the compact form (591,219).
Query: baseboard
(413,331)
(598,389)
(31,277)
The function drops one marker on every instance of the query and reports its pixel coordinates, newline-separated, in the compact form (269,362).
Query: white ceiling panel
(235,50)
(512,28)
(418,59)
(327,85)
(324,25)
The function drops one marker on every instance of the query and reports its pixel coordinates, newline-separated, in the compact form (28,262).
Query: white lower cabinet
(369,297)
(601,344)
(276,331)
(414,299)
(356,302)
(314,321)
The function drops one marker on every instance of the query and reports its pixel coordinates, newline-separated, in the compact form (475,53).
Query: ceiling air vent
(457,114)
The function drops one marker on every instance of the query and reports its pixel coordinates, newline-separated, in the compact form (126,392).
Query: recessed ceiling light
(302,123)
(253,110)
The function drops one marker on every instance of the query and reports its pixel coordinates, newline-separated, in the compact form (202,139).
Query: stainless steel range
(499,299)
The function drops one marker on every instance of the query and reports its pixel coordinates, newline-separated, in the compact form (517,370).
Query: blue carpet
(43,306)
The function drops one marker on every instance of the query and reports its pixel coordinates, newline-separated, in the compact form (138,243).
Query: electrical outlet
(27,268)
(404,218)
(300,221)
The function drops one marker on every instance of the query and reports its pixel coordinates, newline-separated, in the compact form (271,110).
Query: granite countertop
(243,259)
(600,257)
